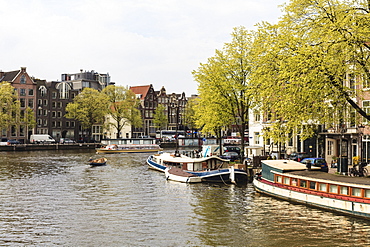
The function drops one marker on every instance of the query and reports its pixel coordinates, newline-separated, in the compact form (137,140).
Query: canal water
(54,198)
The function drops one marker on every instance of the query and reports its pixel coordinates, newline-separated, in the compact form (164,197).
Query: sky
(138,42)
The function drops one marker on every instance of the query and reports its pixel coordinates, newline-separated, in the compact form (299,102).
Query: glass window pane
(344,190)
(333,188)
(356,192)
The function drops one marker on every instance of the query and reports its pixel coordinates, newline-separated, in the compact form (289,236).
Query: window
(344,190)
(13,131)
(366,107)
(54,95)
(330,148)
(30,92)
(286,180)
(356,192)
(72,124)
(59,114)
(294,181)
(22,92)
(21,130)
(303,183)
(30,103)
(39,122)
(279,179)
(59,104)
(45,102)
(43,91)
(312,185)
(322,187)
(67,124)
(53,114)
(333,188)
(23,102)
(64,89)
(257,138)
(367,193)
(54,104)
(23,79)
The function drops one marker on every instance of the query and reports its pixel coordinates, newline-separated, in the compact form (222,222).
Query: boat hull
(356,208)
(105,151)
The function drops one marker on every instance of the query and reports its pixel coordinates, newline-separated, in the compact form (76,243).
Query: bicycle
(360,172)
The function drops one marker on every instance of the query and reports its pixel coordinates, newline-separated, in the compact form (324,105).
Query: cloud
(138,42)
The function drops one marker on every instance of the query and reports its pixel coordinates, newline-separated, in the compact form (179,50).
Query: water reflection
(56,198)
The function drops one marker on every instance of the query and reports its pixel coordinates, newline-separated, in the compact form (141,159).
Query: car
(235,149)
(66,140)
(317,162)
(298,156)
(13,142)
(232,156)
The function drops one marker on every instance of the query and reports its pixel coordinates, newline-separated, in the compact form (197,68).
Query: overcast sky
(138,42)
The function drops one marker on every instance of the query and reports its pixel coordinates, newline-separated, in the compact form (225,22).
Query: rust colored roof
(141,90)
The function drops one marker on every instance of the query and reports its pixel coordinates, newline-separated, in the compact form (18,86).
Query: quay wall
(38,147)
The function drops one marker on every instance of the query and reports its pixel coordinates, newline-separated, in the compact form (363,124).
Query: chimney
(23,69)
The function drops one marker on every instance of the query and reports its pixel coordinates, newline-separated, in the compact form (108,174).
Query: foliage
(10,110)
(300,64)
(189,118)
(225,92)
(89,108)
(160,119)
(122,107)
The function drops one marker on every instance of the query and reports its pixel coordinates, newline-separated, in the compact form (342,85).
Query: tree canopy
(308,66)
(225,93)
(123,107)
(160,118)
(11,113)
(89,108)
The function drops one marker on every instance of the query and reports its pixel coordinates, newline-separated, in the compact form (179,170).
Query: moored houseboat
(290,180)
(183,168)
(129,148)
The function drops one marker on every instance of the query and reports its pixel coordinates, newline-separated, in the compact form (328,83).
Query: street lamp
(176,106)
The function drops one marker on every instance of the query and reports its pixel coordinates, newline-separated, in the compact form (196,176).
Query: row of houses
(48,100)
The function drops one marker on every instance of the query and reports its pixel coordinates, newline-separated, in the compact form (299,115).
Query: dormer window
(64,89)
(43,91)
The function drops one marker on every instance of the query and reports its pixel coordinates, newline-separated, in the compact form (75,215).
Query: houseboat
(129,148)
(291,180)
(183,168)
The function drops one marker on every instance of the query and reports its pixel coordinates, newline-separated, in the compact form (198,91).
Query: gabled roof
(141,90)
(10,76)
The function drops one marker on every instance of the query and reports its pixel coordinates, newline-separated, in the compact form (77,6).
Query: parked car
(232,156)
(235,149)
(298,156)
(66,140)
(317,162)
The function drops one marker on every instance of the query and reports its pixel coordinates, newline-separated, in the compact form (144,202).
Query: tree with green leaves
(89,107)
(123,107)
(160,118)
(310,65)
(10,109)
(189,118)
(225,90)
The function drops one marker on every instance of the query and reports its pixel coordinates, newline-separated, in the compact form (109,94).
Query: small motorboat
(98,162)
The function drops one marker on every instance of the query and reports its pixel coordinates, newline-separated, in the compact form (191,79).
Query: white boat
(182,168)
(293,181)
(129,148)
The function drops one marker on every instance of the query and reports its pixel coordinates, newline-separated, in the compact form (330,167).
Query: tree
(89,108)
(225,90)
(10,109)
(160,119)
(189,118)
(123,107)
(301,64)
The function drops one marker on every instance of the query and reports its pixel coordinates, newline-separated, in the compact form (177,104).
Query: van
(41,139)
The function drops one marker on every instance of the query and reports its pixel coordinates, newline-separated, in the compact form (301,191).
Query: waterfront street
(54,197)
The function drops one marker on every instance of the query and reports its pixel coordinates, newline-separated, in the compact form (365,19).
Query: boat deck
(178,172)
(333,177)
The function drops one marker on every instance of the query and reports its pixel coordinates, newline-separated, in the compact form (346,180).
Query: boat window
(312,185)
(367,193)
(322,187)
(303,183)
(356,192)
(279,179)
(294,182)
(286,180)
(333,188)
(344,190)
